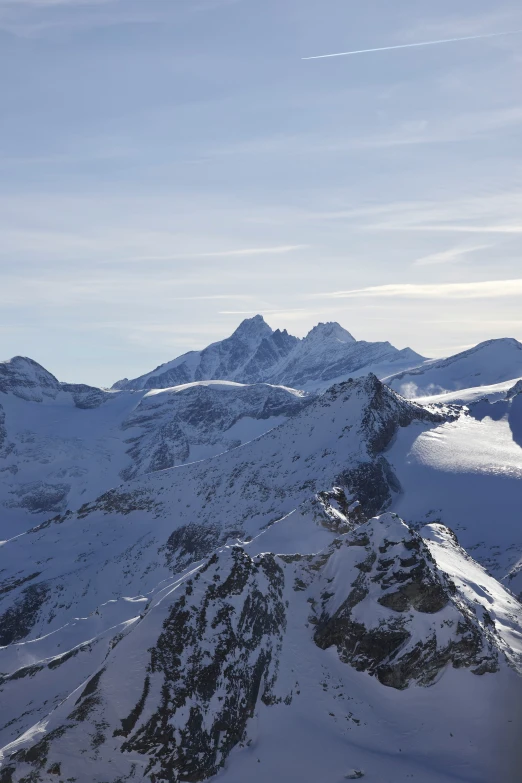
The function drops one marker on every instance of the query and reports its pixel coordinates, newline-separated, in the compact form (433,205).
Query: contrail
(410,45)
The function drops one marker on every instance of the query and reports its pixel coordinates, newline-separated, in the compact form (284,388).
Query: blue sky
(169,167)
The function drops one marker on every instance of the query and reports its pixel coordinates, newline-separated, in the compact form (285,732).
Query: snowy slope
(467,473)
(61,444)
(254,353)
(493,392)
(363,659)
(488,363)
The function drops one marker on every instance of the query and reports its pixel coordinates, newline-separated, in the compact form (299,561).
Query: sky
(170,167)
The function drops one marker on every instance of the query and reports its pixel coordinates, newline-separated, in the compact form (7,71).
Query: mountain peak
(253,328)
(330,331)
(26,378)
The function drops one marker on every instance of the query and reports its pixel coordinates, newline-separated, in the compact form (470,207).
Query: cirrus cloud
(471,290)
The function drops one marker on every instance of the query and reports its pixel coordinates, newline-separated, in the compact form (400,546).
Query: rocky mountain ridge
(213,652)
(254,353)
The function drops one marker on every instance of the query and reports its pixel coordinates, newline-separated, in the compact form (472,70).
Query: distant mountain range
(255,353)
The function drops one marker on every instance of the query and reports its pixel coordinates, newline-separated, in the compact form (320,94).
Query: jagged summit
(253,328)
(330,331)
(255,353)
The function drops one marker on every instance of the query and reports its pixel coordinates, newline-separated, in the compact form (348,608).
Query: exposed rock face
(335,511)
(215,659)
(3,430)
(175,424)
(38,496)
(17,621)
(372,483)
(256,354)
(386,412)
(397,572)
(86,397)
(190,543)
(212,655)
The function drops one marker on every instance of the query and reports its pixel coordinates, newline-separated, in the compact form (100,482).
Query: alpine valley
(275,559)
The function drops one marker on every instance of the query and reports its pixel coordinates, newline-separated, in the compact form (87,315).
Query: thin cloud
(457,228)
(414,45)
(451,256)
(447,26)
(253,251)
(478,290)
(422,131)
(248,251)
(494,213)
(214,297)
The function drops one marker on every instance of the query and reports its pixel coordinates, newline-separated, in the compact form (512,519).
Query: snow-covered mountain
(229,616)
(488,363)
(214,579)
(61,444)
(255,353)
